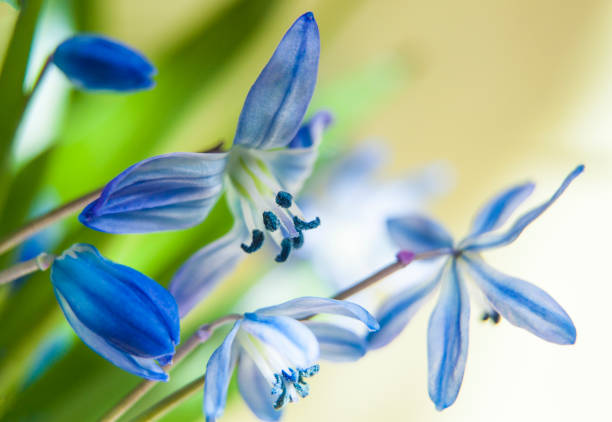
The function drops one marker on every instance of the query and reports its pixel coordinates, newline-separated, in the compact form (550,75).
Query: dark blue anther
(493,315)
(258,239)
(306,225)
(285,249)
(284,199)
(298,241)
(270,220)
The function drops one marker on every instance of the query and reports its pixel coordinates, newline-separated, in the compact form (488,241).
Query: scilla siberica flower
(268,162)
(275,354)
(123,315)
(95,63)
(520,302)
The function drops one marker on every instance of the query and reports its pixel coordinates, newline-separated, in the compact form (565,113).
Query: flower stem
(41,263)
(46,220)
(141,389)
(168,403)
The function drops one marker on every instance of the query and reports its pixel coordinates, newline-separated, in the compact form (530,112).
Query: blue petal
(447,339)
(418,234)
(96,63)
(277,101)
(255,390)
(167,192)
(293,165)
(143,367)
(491,240)
(522,303)
(218,374)
(310,133)
(290,338)
(499,209)
(337,344)
(307,306)
(124,307)
(397,311)
(196,278)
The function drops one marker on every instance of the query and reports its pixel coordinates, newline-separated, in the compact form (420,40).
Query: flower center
(265,206)
(289,385)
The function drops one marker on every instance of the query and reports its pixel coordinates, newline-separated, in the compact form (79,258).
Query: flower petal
(126,308)
(495,212)
(168,192)
(491,240)
(291,166)
(447,339)
(336,343)
(307,306)
(93,62)
(143,367)
(218,375)
(397,311)
(291,338)
(277,101)
(255,390)
(196,278)
(522,303)
(418,234)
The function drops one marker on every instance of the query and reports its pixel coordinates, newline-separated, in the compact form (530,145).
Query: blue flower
(521,303)
(95,63)
(123,315)
(275,354)
(267,164)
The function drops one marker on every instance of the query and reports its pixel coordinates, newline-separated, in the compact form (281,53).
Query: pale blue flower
(123,315)
(521,303)
(275,354)
(267,164)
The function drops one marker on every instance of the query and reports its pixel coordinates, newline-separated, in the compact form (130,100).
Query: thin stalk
(141,389)
(46,220)
(404,258)
(41,263)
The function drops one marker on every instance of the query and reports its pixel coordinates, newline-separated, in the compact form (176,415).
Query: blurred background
(494,92)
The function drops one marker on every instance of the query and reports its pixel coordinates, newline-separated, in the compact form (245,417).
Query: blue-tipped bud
(256,242)
(285,250)
(270,221)
(95,63)
(284,199)
(121,314)
(301,225)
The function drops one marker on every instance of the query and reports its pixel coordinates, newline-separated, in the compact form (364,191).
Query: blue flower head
(123,315)
(95,63)
(275,354)
(266,166)
(520,302)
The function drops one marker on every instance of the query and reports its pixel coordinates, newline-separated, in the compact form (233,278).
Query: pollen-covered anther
(494,316)
(290,382)
(284,199)
(285,250)
(298,241)
(301,225)
(256,242)
(270,221)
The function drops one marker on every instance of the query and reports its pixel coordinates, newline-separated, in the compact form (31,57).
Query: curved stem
(41,263)
(46,220)
(404,258)
(141,389)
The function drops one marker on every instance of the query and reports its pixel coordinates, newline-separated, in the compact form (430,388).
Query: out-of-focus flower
(521,303)
(95,63)
(268,162)
(275,353)
(123,315)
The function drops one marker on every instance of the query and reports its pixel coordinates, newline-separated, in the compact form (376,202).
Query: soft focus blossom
(95,63)
(275,353)
(123,315)
(521,303)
